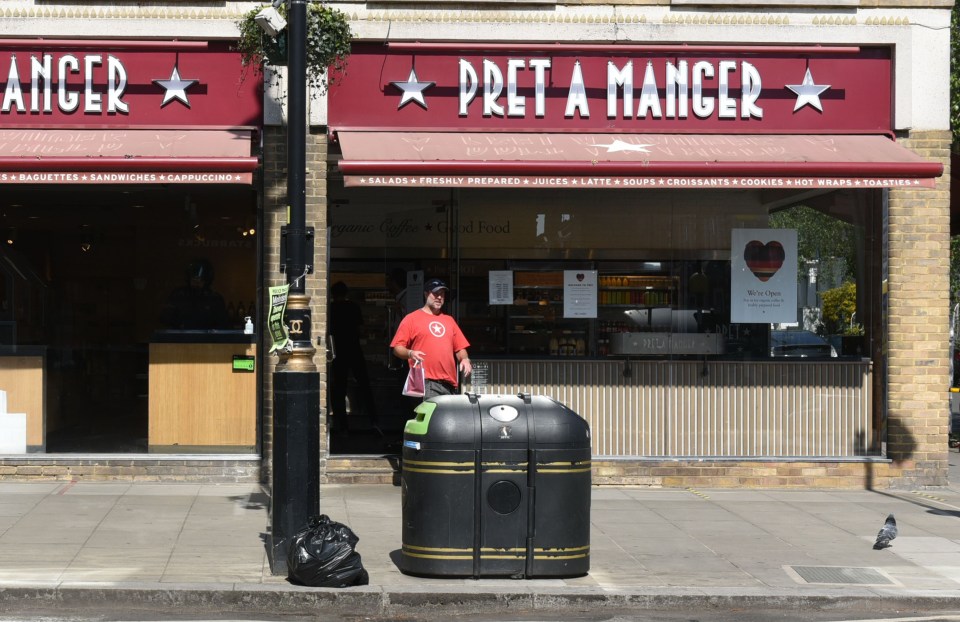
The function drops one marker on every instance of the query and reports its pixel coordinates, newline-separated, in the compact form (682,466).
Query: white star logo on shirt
(413,90)
(176,88)
(437,329)
(619,145)
(808,92)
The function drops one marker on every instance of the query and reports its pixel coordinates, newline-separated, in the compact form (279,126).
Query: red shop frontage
(631,229)
(130,254)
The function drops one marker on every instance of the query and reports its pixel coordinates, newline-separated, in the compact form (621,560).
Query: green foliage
(819,237)
(955,270)
(839,306)
(328,43)
(955,73)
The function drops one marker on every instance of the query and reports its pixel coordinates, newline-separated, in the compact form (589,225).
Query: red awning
(475,159)
(89,156)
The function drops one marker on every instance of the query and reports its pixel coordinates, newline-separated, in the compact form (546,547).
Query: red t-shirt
(438,337)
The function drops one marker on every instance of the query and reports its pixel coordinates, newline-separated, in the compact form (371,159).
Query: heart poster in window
(763,276)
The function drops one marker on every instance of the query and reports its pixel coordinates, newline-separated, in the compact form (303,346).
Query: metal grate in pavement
(841,575)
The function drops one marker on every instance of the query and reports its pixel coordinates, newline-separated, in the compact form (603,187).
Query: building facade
(614,209)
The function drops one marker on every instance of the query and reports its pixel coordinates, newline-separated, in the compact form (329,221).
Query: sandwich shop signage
(615,88)
(128,112)
(619,116)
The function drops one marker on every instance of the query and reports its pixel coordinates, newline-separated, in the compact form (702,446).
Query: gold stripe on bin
(426,552)
(443,464)
(439,471)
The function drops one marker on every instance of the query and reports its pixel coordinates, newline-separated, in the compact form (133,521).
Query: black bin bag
(324,555)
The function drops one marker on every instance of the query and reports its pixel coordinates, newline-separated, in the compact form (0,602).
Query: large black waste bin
(496,485)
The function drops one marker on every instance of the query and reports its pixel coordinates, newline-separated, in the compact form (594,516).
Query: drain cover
(842,575)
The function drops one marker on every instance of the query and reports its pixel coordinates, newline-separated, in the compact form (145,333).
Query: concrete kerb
(256,599)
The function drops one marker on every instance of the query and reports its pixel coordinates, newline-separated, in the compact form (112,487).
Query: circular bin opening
(503,497)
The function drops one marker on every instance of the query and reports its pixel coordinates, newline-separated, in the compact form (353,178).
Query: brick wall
(918,316)
(274,217)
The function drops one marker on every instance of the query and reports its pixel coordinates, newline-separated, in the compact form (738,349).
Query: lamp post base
(296,464)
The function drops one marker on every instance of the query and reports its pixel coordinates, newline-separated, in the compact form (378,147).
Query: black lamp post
(296,381)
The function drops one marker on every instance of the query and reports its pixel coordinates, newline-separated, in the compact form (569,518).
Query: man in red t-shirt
(430,336)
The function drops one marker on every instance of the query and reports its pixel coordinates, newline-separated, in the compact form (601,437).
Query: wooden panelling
(706,409)
(197,400)
(22,378)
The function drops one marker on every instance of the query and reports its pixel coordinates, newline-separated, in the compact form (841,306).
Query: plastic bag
(323,555)
(413,387)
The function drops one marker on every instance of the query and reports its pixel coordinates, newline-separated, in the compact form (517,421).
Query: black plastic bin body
(496,486)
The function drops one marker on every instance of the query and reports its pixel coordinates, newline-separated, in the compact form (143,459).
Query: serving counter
(203,392)
(762,408)
(23,375)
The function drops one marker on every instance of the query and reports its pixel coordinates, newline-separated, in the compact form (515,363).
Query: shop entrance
(372,254)
(87,274)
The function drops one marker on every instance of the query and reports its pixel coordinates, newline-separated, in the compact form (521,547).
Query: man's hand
(465,367)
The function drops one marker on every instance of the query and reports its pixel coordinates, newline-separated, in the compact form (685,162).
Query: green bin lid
(421,422)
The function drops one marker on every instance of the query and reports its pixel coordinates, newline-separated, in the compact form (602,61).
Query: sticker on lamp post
(275,325)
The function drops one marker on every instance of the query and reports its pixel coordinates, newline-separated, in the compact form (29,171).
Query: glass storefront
(116,303)
(663,287)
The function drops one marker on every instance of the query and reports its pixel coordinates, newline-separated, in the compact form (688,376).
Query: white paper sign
(580,293)
(763,276)
(501,287)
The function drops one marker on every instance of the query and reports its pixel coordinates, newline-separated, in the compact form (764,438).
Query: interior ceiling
(56,207)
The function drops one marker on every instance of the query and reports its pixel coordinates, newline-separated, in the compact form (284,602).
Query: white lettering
(727,107)
(749,92)
(515,105)
(492,87)
(67,101)
(577,96)
(617,78)
(91,99)
(677,90)
(13,93)
(468,85)
(40,71)
(702,106)
(649,96)
(540,65)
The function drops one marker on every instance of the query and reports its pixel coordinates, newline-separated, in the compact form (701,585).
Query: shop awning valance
(126,156)
(530,160)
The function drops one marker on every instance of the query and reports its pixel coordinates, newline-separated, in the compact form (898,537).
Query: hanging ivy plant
(328,43)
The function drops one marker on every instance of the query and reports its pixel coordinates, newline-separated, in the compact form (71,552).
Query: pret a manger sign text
(632,90)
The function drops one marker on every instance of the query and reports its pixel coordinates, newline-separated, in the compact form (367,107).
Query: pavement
(142,547)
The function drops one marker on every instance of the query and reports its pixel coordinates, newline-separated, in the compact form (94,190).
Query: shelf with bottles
(635,291)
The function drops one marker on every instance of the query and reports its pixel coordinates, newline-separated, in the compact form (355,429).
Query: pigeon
(887,533)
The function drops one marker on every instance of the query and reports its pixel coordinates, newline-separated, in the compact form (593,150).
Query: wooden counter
(198,403)
(22,376)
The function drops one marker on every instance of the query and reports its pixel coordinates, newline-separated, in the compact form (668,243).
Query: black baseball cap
(433,285)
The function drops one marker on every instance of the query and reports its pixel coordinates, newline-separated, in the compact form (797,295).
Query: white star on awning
(413,90)
(176,88)
(619,145)
(808,92)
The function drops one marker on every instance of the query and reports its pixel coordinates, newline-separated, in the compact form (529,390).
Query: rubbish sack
(324,555)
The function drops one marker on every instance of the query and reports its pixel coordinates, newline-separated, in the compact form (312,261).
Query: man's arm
(464,360)
(405,353)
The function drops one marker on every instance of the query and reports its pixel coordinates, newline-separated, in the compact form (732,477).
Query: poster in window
(580,293)
(501,287)
(763,276)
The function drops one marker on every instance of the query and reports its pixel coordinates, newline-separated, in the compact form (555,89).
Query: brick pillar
(919,310)
(274,217)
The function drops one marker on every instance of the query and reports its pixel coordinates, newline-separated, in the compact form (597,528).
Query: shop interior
(663,267)
(87,273)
